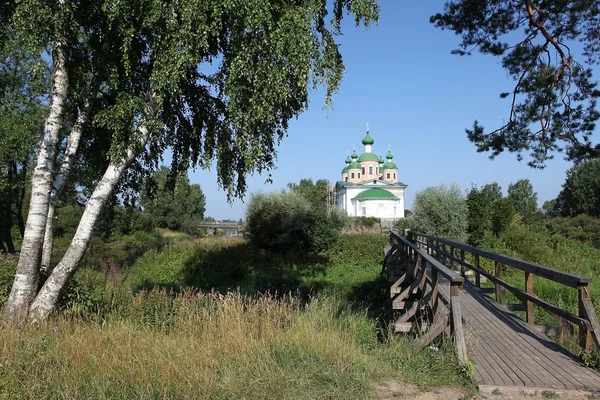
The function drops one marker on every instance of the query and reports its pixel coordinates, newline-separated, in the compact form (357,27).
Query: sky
(417,98)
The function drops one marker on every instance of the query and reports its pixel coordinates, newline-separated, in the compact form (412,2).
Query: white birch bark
(62,176)
(25,284)
(46,300)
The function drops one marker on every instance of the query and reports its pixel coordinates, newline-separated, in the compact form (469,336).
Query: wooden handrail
(587,320)
(452,276)
(552,274)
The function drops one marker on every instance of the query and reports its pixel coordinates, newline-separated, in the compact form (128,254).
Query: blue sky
(417,97)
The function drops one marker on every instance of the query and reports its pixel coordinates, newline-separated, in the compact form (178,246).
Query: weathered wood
(437,328)
(477,275)
(585,334)
(528,304)
(457,329)
(590,315)
(498,274)
(462,264)
(563,277)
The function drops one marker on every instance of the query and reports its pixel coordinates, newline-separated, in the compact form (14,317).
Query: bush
(502,214)
(286,220)
(441,211)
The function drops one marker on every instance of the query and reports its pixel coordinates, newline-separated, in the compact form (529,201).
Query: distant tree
(522,197)
(501,215)
(441,211)
(492,190)
(553,104)
(479,205)
(550,208)
(316,193)
(172,202)
(580,193)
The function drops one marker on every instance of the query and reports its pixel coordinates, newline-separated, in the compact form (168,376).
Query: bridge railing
(414,278)
(586,320)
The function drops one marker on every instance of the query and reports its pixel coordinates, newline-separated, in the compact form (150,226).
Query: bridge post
(462,266)
(498,274)
(477,275)
(529,304)
(585,335)
(456,325)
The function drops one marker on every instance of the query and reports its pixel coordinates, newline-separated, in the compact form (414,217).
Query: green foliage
(522,197)
(441,211)
(581,191)
(479,204)
(287,220)
(171,202)
(8,267)
(23,85)
(553,103)
(501,215)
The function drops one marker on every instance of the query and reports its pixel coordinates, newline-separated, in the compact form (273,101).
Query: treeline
(164,200)
(445,211)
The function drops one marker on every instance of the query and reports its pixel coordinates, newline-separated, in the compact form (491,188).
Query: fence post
(477,275)
(456,322)
(529,304)
(462,266)
(585,336)
(498,275)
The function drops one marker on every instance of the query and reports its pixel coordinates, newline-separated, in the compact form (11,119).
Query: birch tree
(215,81)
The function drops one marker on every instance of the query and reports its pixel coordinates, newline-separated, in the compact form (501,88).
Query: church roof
(367,157)
(389,165)
(370,183)
(376,193)
(368,139)
(345,170)
(354,165)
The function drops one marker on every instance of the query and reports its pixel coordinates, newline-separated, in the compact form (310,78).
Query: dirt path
(399,390)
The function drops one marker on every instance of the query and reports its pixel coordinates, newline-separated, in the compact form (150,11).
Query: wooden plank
(437,328)
(457,330)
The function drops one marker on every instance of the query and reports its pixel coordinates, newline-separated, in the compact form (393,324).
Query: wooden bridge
(432,298)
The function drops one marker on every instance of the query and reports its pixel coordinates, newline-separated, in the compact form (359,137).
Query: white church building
(369,186)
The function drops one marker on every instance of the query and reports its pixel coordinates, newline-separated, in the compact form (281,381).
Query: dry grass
(199,347)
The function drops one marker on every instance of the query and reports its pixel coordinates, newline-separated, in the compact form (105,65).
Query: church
(369,186)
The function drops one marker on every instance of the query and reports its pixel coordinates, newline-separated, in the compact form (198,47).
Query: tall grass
(210,346)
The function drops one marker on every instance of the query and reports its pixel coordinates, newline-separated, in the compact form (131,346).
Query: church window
(363,170)
(359,175)
(364,211)
(394,175)
(395,210)
(352,175)
(370,170)
(346,179)
(388,175)
(377,170)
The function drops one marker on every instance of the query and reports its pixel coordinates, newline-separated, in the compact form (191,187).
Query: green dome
(389,165)
(354,165)
(381,160)
(389,155)
(376,193)
(368,140)
(348,160)
(345,170)
(354,155)
(367,157)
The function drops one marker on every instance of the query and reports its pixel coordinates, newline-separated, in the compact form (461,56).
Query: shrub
(8,267)
(441,211)
(286,220)
(502,214)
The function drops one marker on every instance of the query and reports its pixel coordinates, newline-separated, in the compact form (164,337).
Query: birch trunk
(25,284)
(62,177)
(47,298)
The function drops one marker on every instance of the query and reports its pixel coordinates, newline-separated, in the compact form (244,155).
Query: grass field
(280,326)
